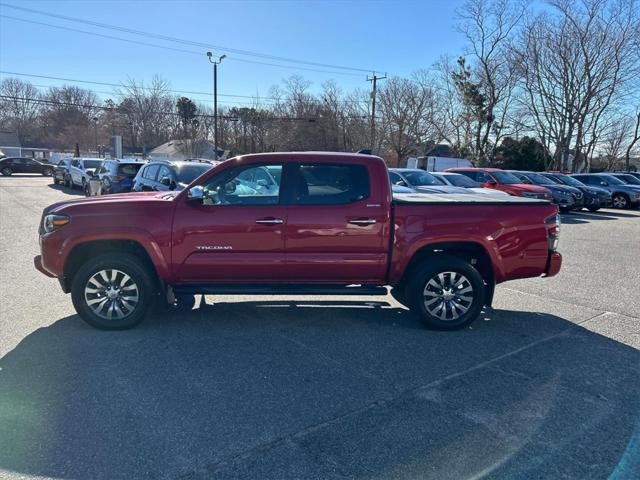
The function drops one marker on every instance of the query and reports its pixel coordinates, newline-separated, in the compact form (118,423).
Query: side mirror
(196,193)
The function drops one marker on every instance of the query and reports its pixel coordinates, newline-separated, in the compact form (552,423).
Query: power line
(164,47)
(187,42)
(204,115)
(116,85)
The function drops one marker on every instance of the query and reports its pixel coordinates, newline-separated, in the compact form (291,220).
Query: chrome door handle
(364,221)
(270,221)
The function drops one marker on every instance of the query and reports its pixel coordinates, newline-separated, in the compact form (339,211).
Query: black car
(11,165)
(623,194)
(567,198)
(164,175)
(61,171)
(595,198)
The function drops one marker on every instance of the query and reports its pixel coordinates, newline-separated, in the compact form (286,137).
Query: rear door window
(150,172)
(129,169)
(329,184)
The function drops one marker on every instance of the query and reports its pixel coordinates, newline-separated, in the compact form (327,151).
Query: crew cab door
(236,233)
(336,225)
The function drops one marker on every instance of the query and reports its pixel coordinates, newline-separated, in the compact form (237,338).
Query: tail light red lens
(553,231)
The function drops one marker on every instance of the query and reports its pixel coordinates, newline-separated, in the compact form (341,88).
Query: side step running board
(230,289)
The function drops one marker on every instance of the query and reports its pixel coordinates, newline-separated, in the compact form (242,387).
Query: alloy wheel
(620,201)
(448,295)
(111,294)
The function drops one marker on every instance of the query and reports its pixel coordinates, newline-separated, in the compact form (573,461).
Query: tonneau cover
(462,199)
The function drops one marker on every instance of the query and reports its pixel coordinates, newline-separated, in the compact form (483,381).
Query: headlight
(566,194)
(54,222)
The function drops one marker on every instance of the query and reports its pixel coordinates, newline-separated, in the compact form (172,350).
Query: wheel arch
(472,252)
(81,252)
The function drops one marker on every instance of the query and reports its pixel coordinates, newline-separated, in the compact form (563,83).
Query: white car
(81,170)
(459,180)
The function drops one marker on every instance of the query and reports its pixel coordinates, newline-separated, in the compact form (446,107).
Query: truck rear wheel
(112,291)
(447,293)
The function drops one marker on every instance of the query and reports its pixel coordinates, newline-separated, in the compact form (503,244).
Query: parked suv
(504,181)
(81,170)
(627,178)
(594,197)
(165,175)
(11,165)
(61,170)
(567,198)
(623,195)
(117,176)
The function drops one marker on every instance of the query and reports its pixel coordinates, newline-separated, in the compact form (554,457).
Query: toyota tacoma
(294,224)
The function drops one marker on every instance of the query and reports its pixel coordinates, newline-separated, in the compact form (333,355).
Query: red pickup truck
(294,223)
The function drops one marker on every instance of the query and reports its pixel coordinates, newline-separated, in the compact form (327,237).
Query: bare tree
(576,65)
(487,82)
(149,110)
(632,140)
(20,107)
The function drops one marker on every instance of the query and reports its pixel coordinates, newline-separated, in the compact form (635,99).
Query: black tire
(68,182)
(399,295)
(55,181)
(445,264)
(127,264)
(593,209)
(47,172)
(85,188)
(183,303)
(6,171)
(620,201)
(564,209)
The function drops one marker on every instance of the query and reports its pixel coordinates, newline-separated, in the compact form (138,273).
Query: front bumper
(554,262)
(37,262)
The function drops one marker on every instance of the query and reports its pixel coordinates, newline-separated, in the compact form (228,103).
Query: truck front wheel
(447,293)
(112,291)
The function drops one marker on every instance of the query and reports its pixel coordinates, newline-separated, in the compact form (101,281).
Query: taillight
(553,231)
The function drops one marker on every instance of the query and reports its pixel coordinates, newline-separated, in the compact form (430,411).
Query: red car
(294,223)
(505,182)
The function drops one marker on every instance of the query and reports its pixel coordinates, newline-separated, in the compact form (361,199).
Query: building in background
(183,149)
(10,145)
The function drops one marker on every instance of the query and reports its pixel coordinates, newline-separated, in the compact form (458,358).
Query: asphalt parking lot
(546,385)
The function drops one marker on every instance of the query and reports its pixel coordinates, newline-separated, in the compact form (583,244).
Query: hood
(525,187)
(117,198)
(441,189)
(487,191)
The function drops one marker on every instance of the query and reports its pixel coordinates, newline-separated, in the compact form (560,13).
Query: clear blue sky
(397,37)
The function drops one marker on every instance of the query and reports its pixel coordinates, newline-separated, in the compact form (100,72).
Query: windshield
(188,173)
(92,164)
(630,179)
(539,179)
(611,179)
(506,177)
(462,181)
(418,178)
(567,180)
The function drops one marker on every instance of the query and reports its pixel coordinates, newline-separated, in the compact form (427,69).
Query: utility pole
(215,100)
(374,81)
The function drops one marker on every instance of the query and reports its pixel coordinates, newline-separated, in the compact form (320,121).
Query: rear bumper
(554,262)
(37,262)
